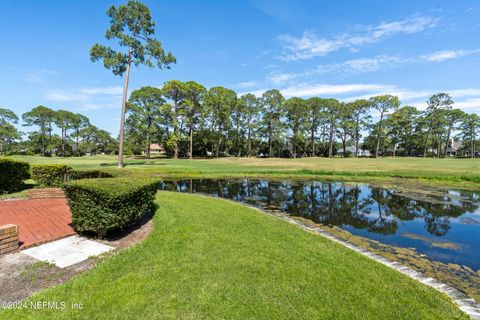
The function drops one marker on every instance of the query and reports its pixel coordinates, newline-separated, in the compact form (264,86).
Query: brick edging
(9,241)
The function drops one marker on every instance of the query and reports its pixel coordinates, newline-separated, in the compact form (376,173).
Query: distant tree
(78,124)
(132,25)
(193,109)
(252,109)
(316,113)
(220,102)
(332,112)
(383,104)
(174,90)
(239,120)
(44,119)
(453,118)
(361,119)
(469,130)
(95,141)
(272,104)
(8,132)
(400,125)
(346,124)
(63,120)
(296,116)
(433,114)
(144,110)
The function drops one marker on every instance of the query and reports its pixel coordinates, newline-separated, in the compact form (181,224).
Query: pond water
(444,225)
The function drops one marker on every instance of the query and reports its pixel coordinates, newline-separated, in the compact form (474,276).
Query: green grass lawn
(214,259)
(460,172)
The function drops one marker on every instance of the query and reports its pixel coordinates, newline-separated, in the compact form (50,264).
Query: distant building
(351,149)
(156,148)
(454,148)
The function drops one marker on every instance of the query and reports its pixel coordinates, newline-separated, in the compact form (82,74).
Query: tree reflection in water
(334,203)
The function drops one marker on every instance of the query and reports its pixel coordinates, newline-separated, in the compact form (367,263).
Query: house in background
(351,150)
(156,148)
(454,149)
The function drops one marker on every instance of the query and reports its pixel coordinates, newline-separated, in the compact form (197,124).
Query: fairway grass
(213,259)
(464,173)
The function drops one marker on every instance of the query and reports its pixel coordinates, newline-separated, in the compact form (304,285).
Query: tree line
(60,132)
(188,120)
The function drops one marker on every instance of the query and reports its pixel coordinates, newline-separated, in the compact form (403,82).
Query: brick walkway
(39,220)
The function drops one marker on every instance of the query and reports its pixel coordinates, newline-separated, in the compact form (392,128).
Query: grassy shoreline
(209,258)
(458,173)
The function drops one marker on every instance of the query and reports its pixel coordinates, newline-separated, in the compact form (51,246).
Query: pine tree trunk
(426,142)
(312,140)
(219,141)
(124,111)
(473,144)
(447,141)
(175,129)
(357,138)
(190,145)
(76,144)
(63,140)
(380,128)
(330,145)
(270,142)
(249,142)
(50,139)
(294,144)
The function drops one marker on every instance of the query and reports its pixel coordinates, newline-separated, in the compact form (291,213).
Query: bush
(104,205)
(88,174)
(12,174)
(348,154)
(50,175)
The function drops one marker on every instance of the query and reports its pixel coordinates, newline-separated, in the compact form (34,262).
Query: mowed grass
(214,259)
(460,171)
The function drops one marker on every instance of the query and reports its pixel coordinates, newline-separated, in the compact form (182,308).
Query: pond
(443,225)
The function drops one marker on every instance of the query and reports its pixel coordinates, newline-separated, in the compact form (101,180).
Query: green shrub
(88,174)
(104,205)
(50,175)
(12,174)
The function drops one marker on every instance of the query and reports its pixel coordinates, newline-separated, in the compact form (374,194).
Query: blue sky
(341,49)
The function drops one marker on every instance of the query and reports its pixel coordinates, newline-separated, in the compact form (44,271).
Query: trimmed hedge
(88,174)
(50,175)
(12,174)
(103,205)
(55,175)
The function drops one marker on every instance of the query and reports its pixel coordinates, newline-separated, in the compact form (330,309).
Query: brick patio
(39,220)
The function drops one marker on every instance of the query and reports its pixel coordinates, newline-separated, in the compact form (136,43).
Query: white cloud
(467,99)
(331,90)
(362,65)
(448,54)
(350,66)
(88,98)
(277,77)
(309,45)
(247,84)
(39,76)
(113,90)
(65,96)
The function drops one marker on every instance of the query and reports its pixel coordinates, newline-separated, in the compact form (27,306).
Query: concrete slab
(67,251)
